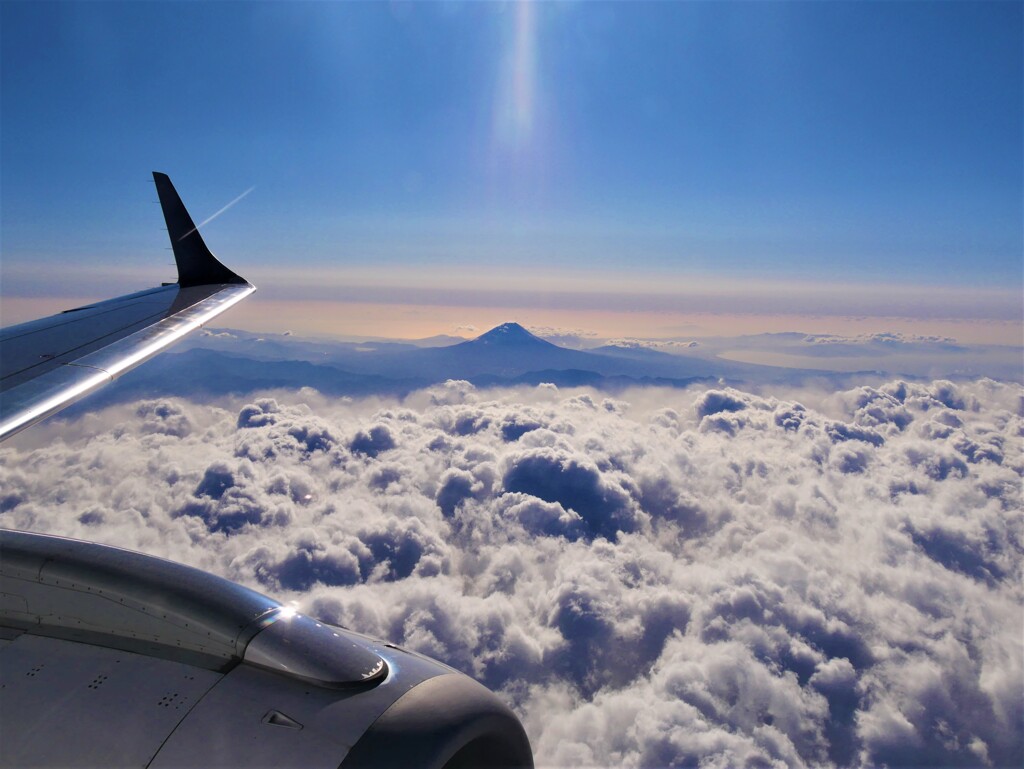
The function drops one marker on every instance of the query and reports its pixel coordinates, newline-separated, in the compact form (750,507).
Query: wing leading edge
(50,363)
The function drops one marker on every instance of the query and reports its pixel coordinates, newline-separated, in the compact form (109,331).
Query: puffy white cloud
(675,577)
(574,338)
(631,343)
(882,337)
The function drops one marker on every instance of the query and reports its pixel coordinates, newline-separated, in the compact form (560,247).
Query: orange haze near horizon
(347,320)
(411,321)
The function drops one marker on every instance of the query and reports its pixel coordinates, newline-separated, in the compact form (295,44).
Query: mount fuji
(241,362)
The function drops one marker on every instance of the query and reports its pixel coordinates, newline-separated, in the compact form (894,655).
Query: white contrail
(214,216)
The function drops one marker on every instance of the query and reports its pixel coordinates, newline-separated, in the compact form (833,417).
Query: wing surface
(50,363)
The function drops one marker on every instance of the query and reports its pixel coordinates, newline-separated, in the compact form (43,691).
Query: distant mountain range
(222,362)
(509,351)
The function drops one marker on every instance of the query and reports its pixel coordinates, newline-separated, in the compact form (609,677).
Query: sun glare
(517,92)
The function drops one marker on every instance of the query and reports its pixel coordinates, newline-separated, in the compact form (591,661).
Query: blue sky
(878,143)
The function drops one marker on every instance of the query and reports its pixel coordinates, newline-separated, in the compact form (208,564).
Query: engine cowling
(134,660)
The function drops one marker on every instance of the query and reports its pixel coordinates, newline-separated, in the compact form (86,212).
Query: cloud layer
(706,577)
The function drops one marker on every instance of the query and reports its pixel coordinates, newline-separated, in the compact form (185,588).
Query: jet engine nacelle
(109,657)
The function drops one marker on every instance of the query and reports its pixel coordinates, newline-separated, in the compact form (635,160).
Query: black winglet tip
(197,266)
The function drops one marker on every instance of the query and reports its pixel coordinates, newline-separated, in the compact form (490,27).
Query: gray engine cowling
(114,658)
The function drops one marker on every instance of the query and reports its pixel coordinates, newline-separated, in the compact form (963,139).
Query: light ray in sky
(525,76)
(517,96)
(209,219)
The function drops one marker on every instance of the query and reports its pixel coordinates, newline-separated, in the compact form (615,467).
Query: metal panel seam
(182,720)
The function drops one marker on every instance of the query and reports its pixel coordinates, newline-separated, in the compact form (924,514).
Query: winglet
(196,265)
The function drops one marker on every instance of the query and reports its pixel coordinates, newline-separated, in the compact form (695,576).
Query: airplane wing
(114,658)
(50,363)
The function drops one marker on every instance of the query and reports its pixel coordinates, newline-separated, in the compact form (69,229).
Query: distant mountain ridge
(507,355)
